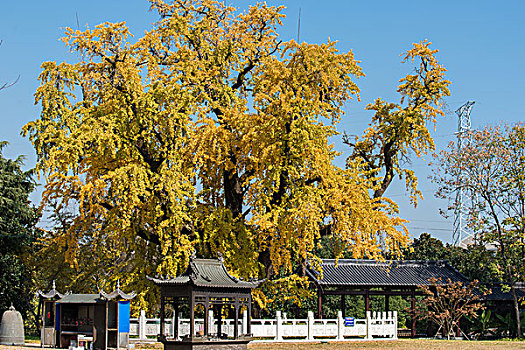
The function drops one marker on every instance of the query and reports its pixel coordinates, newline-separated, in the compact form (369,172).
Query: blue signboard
(123,316)
(57,316)
(349,321)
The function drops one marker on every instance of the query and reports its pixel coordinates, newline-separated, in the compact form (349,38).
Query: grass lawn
(404,344)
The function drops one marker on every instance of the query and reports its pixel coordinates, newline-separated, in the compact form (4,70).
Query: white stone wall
(375,325)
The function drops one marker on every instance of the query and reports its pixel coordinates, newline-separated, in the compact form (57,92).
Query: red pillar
(319,303)
(413,307)
(367,301)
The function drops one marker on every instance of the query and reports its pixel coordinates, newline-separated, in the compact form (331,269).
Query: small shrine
(206,293)
(85,321)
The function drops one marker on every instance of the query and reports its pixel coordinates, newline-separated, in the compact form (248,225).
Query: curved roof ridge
(118,293)
(207,273)
(364,261)
(52,293)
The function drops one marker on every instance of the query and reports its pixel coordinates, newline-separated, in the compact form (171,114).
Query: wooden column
(236,318)
(319,303)
(162,311)
(387,302)
(207,316)
(343,305)
(367,300)
(413,309)
(249,308)
(176,325)
(219,320)
(192,315)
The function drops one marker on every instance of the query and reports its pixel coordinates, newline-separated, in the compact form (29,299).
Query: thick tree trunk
(233,194)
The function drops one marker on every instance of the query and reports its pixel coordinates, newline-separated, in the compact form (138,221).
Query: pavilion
(206,285)
(388,278)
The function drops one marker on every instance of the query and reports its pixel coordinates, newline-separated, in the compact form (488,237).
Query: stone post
(278,326)
(245,322)
(395,324)
(173,325)
(142,325)
(211,321)
(368,326)
(340,325)
(310,323)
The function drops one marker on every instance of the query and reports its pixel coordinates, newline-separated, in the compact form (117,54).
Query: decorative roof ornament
(53,293)
(117,293)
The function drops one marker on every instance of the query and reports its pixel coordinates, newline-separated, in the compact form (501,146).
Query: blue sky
(481,44)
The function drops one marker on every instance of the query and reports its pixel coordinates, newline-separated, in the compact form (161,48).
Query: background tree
(209,133)
(447,303)
(17,235)
(475,262)
(491,169)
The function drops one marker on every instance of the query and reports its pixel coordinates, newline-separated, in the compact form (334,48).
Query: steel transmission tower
(464,138)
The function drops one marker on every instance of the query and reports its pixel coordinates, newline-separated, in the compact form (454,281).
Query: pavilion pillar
(249,323)
(343,305)
(387,302)
(176,325)
(207,317)
(367,300)
(236,319)
(319,303)
(162,312)
(219,320)
(413,309)
(192,315)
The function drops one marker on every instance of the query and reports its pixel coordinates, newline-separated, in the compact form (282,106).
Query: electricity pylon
(464,138)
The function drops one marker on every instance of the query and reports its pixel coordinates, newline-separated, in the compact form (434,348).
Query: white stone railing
(375,325)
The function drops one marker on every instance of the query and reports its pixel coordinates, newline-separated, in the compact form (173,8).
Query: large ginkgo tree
(210,135)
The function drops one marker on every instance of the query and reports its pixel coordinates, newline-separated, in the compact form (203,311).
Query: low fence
(375,325)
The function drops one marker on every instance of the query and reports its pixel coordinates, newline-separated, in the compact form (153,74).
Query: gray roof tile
(393,273)
(207,273)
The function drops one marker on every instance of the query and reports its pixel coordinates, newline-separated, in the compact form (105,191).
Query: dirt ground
(395,345)
(417,344)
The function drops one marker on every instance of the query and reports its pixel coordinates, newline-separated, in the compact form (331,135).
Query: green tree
(17,235)
(426,247)
(475,262)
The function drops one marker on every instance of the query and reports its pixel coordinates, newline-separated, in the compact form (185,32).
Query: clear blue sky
(481,44)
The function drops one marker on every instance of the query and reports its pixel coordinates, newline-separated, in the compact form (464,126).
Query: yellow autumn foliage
(208,134)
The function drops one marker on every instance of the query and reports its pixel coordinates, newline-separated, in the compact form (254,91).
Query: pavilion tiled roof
(393,273)
(80,299)
(500,293)
(206,273)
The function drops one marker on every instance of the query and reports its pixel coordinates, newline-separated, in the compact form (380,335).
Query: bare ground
(405,344)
